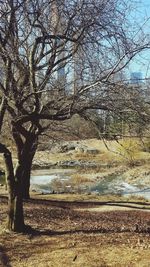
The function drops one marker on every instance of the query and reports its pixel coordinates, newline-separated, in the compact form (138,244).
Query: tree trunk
(19,225)
(11,189)
(2,111)
(26,144)
(25,161)
(26,173)
(15,221)
(15,201)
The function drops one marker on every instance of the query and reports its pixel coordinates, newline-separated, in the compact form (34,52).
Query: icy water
(116,185)
(41,181)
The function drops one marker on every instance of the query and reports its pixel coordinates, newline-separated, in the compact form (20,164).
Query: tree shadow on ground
(91,204)
(141,205)
(47,232)
(4,259)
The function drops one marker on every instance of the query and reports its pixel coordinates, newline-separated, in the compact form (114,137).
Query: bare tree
(41,42)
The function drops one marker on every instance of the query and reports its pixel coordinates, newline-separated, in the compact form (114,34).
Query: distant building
(136,78)
(140,84)
(57,25)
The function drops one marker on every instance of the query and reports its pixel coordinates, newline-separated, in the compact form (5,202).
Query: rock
(86,150)
(69,163)
(33,190)
(79,149)
(77,163)
(66,148)
(38,165)
(92,151)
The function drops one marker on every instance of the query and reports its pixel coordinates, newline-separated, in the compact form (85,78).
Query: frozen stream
(41,181)
(118,186)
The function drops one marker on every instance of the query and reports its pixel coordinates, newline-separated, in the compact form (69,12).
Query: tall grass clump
(128,151)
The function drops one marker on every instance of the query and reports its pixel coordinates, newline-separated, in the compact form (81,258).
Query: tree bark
(25,160)
(26,144)
(9,173)
(26,174)
(15,221)
(2,111)
(19,225)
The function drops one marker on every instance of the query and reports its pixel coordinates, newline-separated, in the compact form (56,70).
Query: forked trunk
(18,182)
(26,148)
(26,158)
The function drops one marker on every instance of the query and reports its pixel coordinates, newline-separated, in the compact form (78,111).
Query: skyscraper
(136,78)
(57,25)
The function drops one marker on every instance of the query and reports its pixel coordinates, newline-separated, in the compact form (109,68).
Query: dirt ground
(73,233)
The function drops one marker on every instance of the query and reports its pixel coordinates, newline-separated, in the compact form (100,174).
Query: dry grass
(81,253)
(69,236)
(77,179)
(85,156)
(86,197)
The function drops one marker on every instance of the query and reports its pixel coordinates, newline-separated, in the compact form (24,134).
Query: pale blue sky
(142,16)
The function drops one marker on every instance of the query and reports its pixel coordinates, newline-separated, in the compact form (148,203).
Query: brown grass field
(73,230)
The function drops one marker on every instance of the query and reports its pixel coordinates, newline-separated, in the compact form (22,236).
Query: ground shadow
(141,205)
(4,260)
(36,232)
(87,204)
